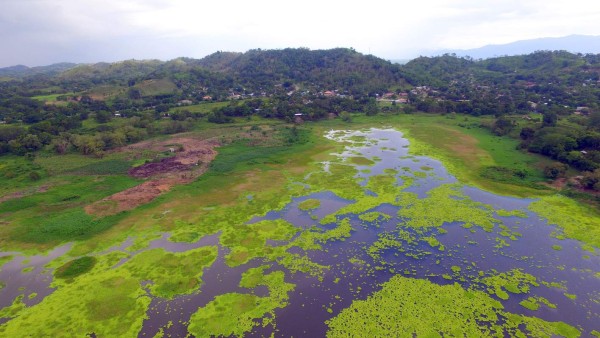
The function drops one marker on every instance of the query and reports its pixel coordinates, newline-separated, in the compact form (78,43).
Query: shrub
(555,170)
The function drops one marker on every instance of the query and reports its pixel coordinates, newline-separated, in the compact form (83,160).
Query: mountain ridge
(584,44)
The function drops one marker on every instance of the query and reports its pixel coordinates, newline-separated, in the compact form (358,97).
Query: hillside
(21,71)
(338,68)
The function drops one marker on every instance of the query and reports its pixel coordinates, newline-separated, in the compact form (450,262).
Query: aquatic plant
(404,308)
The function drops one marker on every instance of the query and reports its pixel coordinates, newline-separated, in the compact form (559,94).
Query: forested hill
(558,80)
(335,68)
(344,70)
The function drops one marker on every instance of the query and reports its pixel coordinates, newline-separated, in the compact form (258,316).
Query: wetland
(360,231)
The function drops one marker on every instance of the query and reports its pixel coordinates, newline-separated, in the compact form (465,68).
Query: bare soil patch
(191,159)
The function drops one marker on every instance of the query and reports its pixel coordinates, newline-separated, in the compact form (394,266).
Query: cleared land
(191,159)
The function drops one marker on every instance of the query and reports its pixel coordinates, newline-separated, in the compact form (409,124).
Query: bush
(346,117)
(591,180)
(555,170)
(34,176)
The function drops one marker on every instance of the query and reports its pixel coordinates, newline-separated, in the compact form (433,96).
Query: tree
(503,126)
(591,180)
(371,108)
(61,144)
(594,121)
(134,94)
(102,116)
(31,142)
(527,133)
(346,117)
(555,170)
(550,119)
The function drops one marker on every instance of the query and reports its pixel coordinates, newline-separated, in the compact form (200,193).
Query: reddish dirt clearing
(191,159)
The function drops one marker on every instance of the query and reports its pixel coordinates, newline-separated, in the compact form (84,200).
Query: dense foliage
(550,100)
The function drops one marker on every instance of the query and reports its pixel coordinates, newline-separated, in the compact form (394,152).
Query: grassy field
(201,108)
(156,87)
(51,98)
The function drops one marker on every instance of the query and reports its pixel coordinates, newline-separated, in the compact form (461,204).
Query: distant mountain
(20,71)
(573,43)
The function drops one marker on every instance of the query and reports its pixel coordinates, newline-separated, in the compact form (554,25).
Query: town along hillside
(548,100)
(94,108)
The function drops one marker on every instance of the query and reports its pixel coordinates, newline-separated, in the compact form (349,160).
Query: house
(207,98)
(329,93)
(298,118)
(184,103)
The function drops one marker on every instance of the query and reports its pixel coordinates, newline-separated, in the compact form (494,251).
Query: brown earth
(191,159)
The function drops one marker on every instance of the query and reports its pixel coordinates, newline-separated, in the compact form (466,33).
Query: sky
(42,32)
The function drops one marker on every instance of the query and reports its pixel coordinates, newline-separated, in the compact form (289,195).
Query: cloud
(38,32)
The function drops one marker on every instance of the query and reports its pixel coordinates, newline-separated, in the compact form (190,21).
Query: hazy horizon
(43,32)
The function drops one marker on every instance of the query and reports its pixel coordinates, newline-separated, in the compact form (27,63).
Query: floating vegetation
(76,267)
(309,204)
(533,303)
(374,217)
(577,221)
(404,308)
(514,281)
(383,227)
(362,161)
(4,260)
(171,274)
(238,313)
(451,205)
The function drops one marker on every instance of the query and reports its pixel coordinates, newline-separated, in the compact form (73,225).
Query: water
(354,274)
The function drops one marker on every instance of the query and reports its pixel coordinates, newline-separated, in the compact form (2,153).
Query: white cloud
(40,31)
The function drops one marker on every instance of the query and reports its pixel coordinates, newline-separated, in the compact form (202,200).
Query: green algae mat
(358,239)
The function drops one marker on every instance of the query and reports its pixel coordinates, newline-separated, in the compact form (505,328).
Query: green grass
(469,151)
(57,215)
(61,227)
(51,97)
(83,165)
(241,156)
(108,167)
(201,108)
(156,87)
(15,173)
